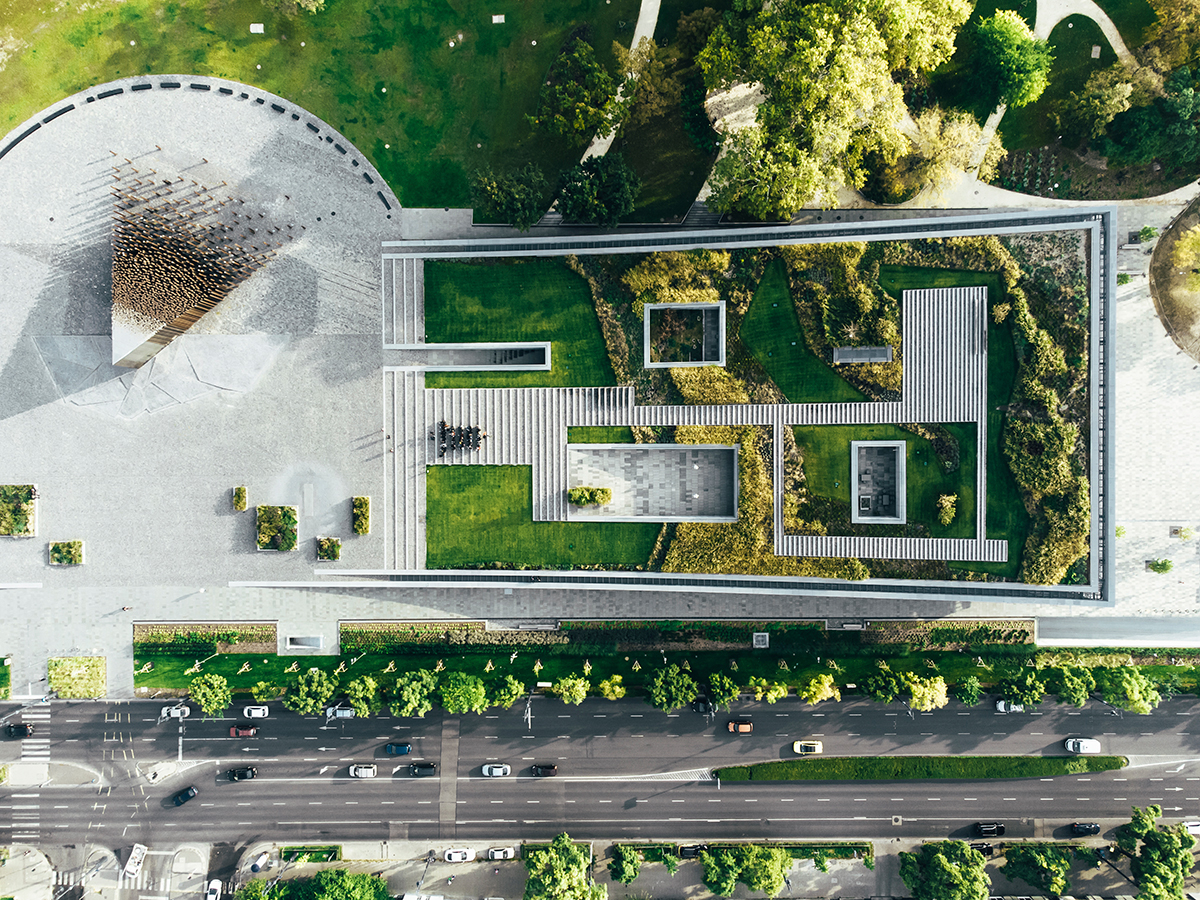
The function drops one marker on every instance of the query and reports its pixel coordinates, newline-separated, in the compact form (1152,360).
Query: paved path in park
(1051,12)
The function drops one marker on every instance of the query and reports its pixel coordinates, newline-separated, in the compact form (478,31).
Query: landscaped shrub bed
(909,768)
(938,635)
(18,505)
(66,553)
(78,677)
(277,528)
(329,548)
(360,515)
(301,855)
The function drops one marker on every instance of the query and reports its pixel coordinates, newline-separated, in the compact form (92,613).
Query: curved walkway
(1051,12)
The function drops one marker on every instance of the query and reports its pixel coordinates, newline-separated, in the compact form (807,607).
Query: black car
(985,849)
(692,851)
(18,729)
(1082,829)
(702,705)
(545,770)
(244,774)
(185,795)
(417,770)
(989,829)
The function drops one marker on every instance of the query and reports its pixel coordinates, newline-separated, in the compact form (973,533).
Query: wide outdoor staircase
(403,301)
(700,216)
(403,516)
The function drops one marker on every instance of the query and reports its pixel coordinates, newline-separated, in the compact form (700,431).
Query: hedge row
(909,768)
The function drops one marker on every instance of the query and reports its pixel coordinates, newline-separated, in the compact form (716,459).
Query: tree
(258,888)
(694,29)
(1167,129)
(927,693)
(309,693)
(1128,688)
(947,507)
(768,178)
(291,7)
(600,190)
(612,688)
(1073,685)
(507,691)
(672,687)
(884,686)
(1104,97)
(759,868)
(1161,857)
(723,690)
(1186,255)
(625,864)
(559,871)
(263,691)
(572,688)
(342,884)
(969,690)
(463,693)
(1025,687)
(211,692)
(516,197)
(771,691)
(649,90)
(1045,866)
(575,93)
(1176,30)
(1013,63)
(414,693)
(363,695)
(945,870)
(818,688)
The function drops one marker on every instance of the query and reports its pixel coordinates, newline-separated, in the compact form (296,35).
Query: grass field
(910,768)
(446,111)
(672,170)
(772,333)
(1072,40)
(826,450)
(1133,19)
(600,434)
(479,515)
(530,299)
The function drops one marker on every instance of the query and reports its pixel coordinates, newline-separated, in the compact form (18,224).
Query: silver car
(1082,745)
(496,770)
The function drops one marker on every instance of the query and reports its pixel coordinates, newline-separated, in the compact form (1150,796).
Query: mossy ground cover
(909,768)
(481,515)
(440,105)
(771,332)
(516,300)
(600,434)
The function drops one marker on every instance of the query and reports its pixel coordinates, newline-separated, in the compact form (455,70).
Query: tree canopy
(759,868)
(519,198)
(945,870)
(507,691)
(1013,63)
(1044,866)
(212,692)
(575,92)
(463,693)
(363,695)
(1128,688)
(311,690)
(1161,856)
(413,695)
(559,871)
(572,688)
(671,687)
(599,190)
(818,688)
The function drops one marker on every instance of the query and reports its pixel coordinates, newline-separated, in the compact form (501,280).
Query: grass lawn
(1072,40)
(479,515)
(826,450)
(1132,18)
(772,333)
(909,768)
(600,434)
(77,677)
(5,682)
(440,103)
(529,299)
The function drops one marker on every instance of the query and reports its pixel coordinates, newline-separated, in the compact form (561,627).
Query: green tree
(413,695)
(259,889)
(649,89)
(671,687)
(1012,62)
(694,29)
(1147,234)
(575,93)
(884,686)
(1025,687)
(612,688)
(927,693)
(768,178)
(1104,97)
(1045,866)
(211,692)
(1186,255)
(818,688)
(1072,684)
(263,691)
(969,691)
(342,884)
(600,190)
(519,198)
(771,691)
(1128,688)
(363,695)
(1161,856)
(291,7)
(1161,566)
(560,871)
(463,693)
(723,690)
(572,688)
(311,690)
(945,870)
(507,691)
(625,864)
(759,868)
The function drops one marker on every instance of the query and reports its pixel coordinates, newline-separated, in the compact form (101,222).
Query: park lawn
(826,452)
(446,111)
(771,332)
(1133,19)
(1072,39)
(910,768)
(599,434)
(481,515)
(516,300)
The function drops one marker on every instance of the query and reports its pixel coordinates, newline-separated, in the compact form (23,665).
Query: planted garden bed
(18,510)
(360,515)
(66,553)
(277,528)
(329,549)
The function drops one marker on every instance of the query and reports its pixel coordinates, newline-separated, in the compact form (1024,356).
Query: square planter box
(283,533)
(65,548)
(332,549)
(11,497)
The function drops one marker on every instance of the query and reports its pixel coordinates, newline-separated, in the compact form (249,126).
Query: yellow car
(806,748)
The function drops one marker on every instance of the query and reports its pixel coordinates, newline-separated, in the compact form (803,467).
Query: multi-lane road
(624,770)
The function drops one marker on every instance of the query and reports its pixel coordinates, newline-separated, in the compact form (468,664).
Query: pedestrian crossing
(143,881)
(36,747)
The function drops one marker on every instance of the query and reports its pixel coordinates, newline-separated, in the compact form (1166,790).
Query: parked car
(496,770)
(985,849)
(702,705)
(740,726)
(808,748)
(1083,829)
(989,829)
(185,795)
(1082,745)
(339,712)
(214,890)
(460,854)
(692,851)
(368,771)
(242,731)
(1192,828)
(501,853)
(256,712)
(18,729)
(398,749)
(420,770)
(176,712)
(243,774)
(1007,706)
(545,770)
(260,862)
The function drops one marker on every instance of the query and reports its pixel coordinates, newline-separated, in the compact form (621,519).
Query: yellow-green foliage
(682,277)
(702,385)
(1084,659)
(1186,255)
(78,677)
(947,508)
(1039,454)
(1047,560)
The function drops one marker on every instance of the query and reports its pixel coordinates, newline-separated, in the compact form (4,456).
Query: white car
(1082,745)
(256,712)
(176,712)
(460,854)
(1192,828)
(1007,706)
(214,890)
(496,770)
(501,853)
(363,771)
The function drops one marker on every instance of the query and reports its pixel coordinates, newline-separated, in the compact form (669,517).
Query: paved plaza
(659,482)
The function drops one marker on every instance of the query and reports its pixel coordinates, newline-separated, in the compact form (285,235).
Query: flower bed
(66,553)
(276,528)
(18,510)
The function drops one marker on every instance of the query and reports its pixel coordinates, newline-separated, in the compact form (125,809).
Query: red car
(242,731)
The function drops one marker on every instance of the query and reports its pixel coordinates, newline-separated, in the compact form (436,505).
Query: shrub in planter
(1161,566)
(360,518)
(239,498)
(66,553)
(589,496)
(946,508)
(18,509)
(329,548)
(276,527)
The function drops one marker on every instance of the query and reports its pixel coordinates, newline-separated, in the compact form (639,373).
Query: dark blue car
(399,749)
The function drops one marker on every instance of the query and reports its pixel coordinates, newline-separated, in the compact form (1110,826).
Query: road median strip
(911,768)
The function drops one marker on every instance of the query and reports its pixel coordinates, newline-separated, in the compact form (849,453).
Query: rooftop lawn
(382,73)
(479,515)
(600,434)
(772,333)
(516,300)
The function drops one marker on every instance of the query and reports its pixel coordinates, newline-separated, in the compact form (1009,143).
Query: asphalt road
(624,770)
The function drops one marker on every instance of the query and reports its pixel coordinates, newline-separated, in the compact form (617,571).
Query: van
(339,712)
(133,865)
